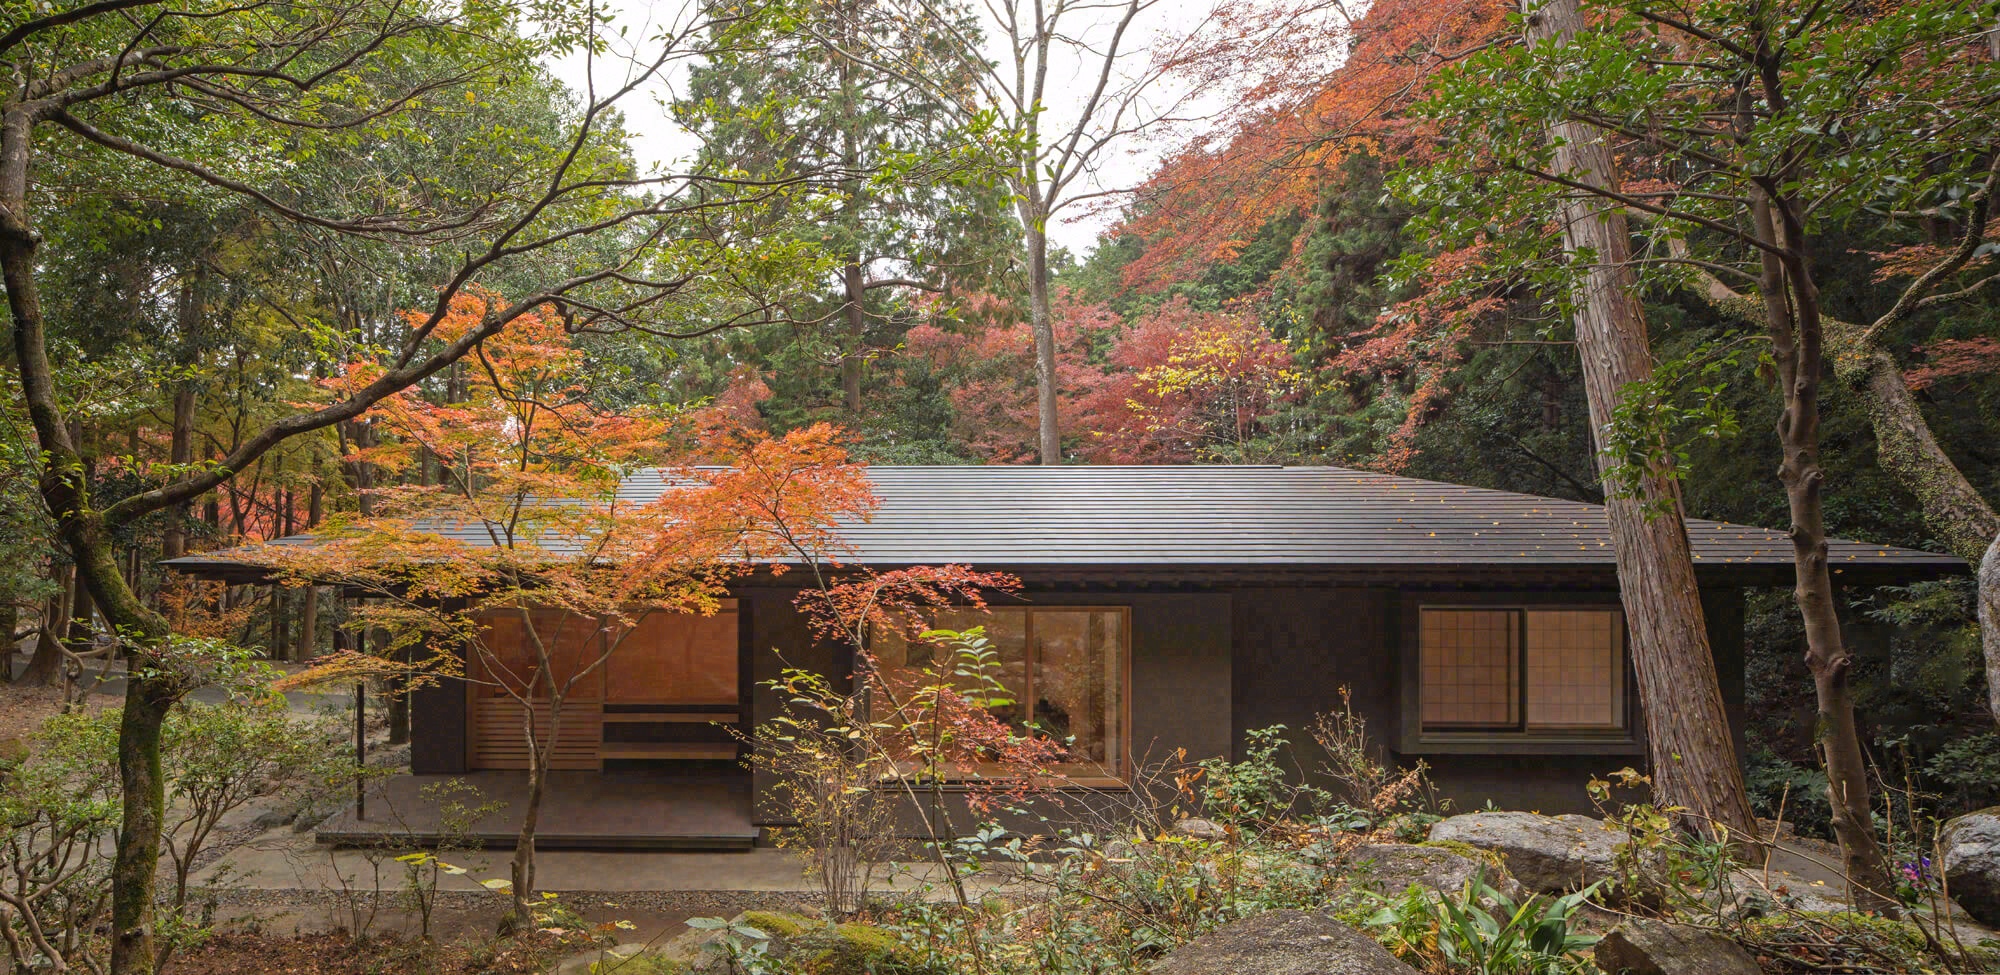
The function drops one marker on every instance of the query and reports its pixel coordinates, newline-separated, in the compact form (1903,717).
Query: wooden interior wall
(498,735)
(499,741)
(670,662)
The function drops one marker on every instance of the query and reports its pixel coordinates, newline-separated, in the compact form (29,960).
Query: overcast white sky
(656,140)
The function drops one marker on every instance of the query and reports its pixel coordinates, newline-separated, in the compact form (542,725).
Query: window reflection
(1064,669)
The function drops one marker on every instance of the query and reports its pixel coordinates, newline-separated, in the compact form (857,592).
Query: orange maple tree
(1182,385)
(990,354)
(534,521)
(1174,385)
(571,523)
(1307,82)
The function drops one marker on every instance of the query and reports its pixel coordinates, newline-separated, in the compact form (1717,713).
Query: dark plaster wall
(437,728)
(1297,646)
(1206,667)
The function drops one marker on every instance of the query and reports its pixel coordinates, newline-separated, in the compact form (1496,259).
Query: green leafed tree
(1748,136)
(918,206)
(327,121)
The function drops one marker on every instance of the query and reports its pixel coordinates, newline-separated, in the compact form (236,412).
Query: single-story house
(1179,607)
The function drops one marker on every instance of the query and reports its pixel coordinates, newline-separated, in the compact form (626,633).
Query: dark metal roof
(1298,518)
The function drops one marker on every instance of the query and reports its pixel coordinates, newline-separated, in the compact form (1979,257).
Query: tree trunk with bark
(45,664)
(853,277)
(1907,449)
(1042,319)
(81,630)
(1953,510)
(180,449)
(521,870)
(10,620)
(1693,753)
(308,646)
(65,490)
(1791,308)
(396,692)
(854,357)
(1989,622)
(180,453)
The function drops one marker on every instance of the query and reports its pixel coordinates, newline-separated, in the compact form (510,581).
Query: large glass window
(1529,671)
(1064,668)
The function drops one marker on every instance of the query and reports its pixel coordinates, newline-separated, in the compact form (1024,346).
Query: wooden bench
(686,750)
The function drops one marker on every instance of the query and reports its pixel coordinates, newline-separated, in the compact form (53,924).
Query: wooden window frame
(1415,739)
(1119,779)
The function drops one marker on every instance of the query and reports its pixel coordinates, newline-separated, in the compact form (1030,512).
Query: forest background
(1259,299)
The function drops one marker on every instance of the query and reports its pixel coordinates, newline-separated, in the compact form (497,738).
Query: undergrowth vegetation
(1083,887)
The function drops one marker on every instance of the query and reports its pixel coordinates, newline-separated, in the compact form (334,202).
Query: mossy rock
(1465,849)
(647,964)
(848,949)
(1847,937)
(777,924)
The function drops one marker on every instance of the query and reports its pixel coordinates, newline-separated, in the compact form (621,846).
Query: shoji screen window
(1522,671)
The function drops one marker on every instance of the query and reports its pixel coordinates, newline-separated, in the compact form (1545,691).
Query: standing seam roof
(1268,516)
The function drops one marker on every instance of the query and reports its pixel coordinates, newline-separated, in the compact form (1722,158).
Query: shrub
(825,785)
(59,813)
(1260,789)
(1482,932)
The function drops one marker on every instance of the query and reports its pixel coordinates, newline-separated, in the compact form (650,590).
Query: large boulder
(1206,830)
(1282,943)
(1550,854)
(1647,947)
(1972,863)
(1391,868)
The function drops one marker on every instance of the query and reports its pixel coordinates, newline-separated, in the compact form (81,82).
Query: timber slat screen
(656,691)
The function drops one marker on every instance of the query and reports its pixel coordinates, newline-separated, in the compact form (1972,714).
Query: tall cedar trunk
(180,452)
(1687,726)
(361,473)
(853,359)
(1989,622)
(1791,306)
(308,638)
(1043,322)
(281,597)
(281,626)
(1989,563)
(853,276)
